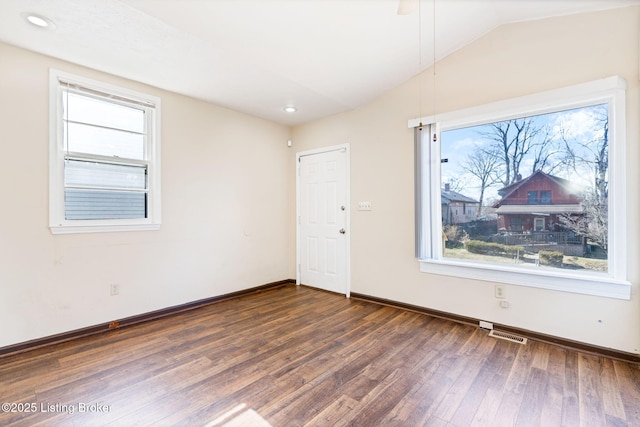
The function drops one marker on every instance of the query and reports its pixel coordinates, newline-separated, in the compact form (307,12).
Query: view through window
(531,191)
(104,157)
(105,170)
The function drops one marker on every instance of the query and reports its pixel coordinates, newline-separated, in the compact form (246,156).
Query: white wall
(510,61)
(227,194)
(228,187)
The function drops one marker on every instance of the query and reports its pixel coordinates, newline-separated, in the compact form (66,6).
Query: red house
(534,204)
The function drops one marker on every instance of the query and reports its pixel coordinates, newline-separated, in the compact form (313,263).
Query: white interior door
(323,218)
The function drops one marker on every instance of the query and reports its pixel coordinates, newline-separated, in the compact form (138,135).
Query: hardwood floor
(295,356)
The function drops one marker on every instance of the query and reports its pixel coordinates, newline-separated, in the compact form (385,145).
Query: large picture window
(104,157)
(544,176)
(510,168)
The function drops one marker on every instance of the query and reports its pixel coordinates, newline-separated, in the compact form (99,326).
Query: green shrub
(553,258)
(449,244)
(512,250)
(489,248)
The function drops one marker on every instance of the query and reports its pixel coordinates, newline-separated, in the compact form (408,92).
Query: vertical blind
(426,185)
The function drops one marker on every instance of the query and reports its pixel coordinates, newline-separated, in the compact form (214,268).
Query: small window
(104,157)
(538,224)
(545,197)
(532,197)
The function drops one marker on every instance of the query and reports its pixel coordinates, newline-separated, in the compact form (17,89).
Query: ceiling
(257,56)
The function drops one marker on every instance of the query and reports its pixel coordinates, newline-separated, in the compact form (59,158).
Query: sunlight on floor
(239,416)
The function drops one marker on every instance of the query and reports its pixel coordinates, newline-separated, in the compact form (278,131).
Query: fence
(535,238)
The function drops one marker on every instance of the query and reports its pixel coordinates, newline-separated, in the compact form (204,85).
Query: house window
(104,154)
(510,156)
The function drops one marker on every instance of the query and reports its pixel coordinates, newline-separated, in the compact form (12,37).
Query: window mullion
(123,189)
(114,160)
(103,127)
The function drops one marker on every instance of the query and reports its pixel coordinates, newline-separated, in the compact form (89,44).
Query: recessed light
(39,21)
(290,109)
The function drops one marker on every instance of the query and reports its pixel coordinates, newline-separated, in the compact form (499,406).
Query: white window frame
(612,284)
(58,80)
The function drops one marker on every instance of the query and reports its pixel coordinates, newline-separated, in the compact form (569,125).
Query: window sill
(75,229)
(592,284)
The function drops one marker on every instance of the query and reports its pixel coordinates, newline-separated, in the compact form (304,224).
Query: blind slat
(95,204)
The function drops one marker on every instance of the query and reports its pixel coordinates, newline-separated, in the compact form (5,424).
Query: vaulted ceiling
(258,56)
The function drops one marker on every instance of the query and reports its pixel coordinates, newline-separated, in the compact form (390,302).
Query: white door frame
(347,149)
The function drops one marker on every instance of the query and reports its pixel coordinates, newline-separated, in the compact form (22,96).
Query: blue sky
(579,126)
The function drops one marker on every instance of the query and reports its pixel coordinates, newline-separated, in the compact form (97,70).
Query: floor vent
(507,336)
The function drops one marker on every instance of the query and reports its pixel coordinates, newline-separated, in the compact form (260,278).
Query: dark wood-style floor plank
(551,414)
(591,389)
(296,356)
(628,383)
(571,392)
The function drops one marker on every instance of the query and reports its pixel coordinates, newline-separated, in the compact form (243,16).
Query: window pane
(509,170)
(104,175)
(101,112)
(105,142)
(96,204)
(104,154)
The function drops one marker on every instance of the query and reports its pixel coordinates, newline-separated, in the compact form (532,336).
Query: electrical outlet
(500,292)
(114,289)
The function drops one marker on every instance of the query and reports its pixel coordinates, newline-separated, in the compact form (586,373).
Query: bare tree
(601,160)
(484,165)
(591,155)
(516,140)
(546,153)
(593,224)
(456,184)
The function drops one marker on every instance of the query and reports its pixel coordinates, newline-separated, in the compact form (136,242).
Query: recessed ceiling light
(290,109)
(39,21)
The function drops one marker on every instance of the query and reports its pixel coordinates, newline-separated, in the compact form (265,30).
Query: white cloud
(582,124)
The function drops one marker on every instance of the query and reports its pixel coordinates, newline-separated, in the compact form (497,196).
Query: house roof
(452,196)
(507,191)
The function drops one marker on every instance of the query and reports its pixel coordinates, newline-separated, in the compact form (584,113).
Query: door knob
(342,231)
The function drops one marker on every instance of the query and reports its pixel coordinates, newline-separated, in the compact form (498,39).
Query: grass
(569,262)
